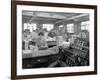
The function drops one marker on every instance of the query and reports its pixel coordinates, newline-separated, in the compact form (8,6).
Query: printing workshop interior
(54,39)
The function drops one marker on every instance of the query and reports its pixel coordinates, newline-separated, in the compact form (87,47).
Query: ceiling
(51,17)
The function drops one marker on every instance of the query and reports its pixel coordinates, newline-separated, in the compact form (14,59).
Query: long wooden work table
(40,58)
(40,53)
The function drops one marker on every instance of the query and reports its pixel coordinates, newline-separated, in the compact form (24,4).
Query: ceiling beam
(45,15)
(51,15)
(73,17)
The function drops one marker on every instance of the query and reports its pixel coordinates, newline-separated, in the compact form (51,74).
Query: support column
(77,27)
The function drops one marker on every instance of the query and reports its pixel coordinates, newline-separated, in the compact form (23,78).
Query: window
(70,28)
(48,26)
(85,25)
(31,27)
(34,26)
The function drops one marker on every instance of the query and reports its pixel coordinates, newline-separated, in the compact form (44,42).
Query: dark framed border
(14,39)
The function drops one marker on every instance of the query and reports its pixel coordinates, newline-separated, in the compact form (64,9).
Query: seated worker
(41,41)
(26,37)
(32,41)
(84,34)
(71,39)
(34,34)
(45,33)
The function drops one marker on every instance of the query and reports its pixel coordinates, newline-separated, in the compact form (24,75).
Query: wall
(5,40)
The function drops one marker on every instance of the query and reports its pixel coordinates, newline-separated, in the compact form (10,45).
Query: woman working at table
(41,41)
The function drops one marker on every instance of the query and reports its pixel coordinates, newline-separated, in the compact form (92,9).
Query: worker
(41,42)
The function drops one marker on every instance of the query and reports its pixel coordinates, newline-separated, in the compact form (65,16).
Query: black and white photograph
(55,39)
(52,40)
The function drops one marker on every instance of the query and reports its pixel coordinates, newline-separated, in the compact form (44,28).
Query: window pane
(70,28)
(85,25)
(34,26)
(31,27)
(25,26)
(48,26)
